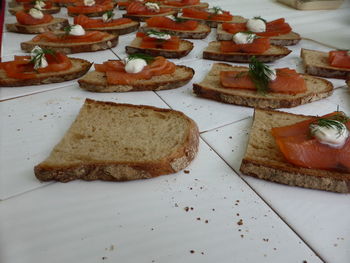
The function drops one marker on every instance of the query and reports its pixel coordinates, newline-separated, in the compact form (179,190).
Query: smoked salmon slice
(167,23)
(100,6)
(87,22)
(259,45)
(116,74)
(301,149)
(149,42)
(288,81)
(203,14)
(90,36)
(26,19)
(274,28)
(181,3)
(339,58)
(139,8)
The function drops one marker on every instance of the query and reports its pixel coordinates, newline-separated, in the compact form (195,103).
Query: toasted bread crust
(210,88)
(53,10)
(200,33)
(289,39)
(118,30)
(55,24)
(69,48)
(316,63)
(215,23)
(212,52)
(125,171)
(79,68)
(278,169)
(142,18)
(184,49)
(96,82)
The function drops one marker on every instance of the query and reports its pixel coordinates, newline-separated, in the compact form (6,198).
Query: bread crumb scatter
(240,222)
(198,218)
(265,239)
(242,236)
(186,208)
(192,251)
(104,258)
(186,171)
(206,221)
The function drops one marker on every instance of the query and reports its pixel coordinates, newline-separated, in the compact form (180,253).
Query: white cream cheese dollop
(243,38)
(77,30)
(135,65)
(152,6)
(41,62)
(215,11)
(160,36)
(256,25)
(107,18)
(271,74)
(39,5)
(89,2)
(330,135)
(35,13)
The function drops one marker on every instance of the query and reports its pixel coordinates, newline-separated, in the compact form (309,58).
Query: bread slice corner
(264,160)
(316,63)
(210,88)
(121,142)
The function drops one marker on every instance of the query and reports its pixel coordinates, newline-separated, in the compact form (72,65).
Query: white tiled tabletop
(230,217)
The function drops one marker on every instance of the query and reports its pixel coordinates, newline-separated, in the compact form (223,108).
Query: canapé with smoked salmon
(260,86)
(47,7)
(136,73)
(92,8)
(289,149)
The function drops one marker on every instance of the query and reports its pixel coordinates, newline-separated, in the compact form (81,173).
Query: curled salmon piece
(87,22)
(90,36)
(167,23)
(259,45)
(301,149)
(149,42)
(139,8)
(116,74)
(339,58)
(26,19)
(181,3)
(203,14)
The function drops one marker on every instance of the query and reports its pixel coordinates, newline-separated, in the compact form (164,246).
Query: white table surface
(146,221)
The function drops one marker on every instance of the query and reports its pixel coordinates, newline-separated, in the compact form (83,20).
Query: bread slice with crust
(316,63)
(142,18)
(215,23)
(273,53)
(201,32)
(289,39)
(78,69)
(96,81)
(264,160)
(52,10)
(54,25)
(184,48)
(120,142)
(210,88)
(69,48)
(118,30)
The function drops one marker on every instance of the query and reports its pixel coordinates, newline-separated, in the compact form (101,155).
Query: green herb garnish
(157,33)
(259,74)
(259,17)
(216,9)
(177,19)
(39,54)
(109,14)
(146,57)
(336,121)
(67,29)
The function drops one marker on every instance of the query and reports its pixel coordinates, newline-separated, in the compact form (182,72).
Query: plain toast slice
(264,160)
(54,25)
(96,81)
(120,142)
(184,48)
(213,52)
(211,88)
(289,39)
(316,63)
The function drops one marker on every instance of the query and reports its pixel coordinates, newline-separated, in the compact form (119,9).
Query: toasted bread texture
(289,39)
(316,63)
(264,160)
(215,23)
(55,24)
(78,69)
(69,48)
(274,53)
(118,30)
(211,88)
(142,18)
(96,81)
(184,48)
(52,10)
(121,142)
(201,32)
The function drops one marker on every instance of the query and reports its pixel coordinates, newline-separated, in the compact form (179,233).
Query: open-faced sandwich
(34,21)
(119,26)
(137,72)
(333,64)
(260,86)
(298,150)
(278,31)
(244,46)
(119,142)
(211,16)
(47,7)
(141,11)
(74,40)
(156,43)
(43,66)
(178,27)
(90,7)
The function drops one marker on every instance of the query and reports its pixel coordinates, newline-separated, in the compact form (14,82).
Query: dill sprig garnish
(336,121)
(259,17)
(146,57)
(67,29)
(157,33)
(110,15)
(38,54)
(216,9)
(178,19)
(259,74)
